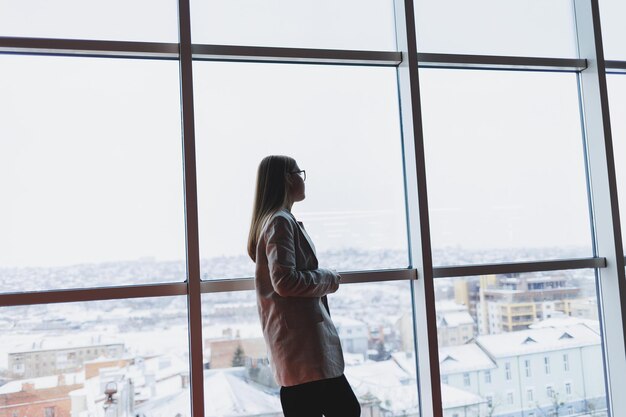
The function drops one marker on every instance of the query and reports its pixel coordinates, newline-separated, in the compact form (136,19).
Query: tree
(239,358)
(381,352)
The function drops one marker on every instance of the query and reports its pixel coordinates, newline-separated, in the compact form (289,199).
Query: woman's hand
(336,273)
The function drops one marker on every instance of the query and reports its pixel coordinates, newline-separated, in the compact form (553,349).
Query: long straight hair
(272,185)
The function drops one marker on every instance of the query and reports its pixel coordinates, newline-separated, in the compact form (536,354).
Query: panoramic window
(505,168)
(340,123)
(348,24)
(613,13)
(377,342)
(492,27)
(91,164)
(119,20)
(96,356)
(514,326)
(130,138)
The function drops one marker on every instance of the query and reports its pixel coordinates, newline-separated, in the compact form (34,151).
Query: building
(467,292)
(353,333)
(47,396)
(455,325)
(51,356)
(514,302)
(118,389)
(527,373)
(235,352)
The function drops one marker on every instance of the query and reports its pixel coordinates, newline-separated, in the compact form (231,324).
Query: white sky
(90,154)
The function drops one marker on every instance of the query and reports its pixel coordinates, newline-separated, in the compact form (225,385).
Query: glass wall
(617,100)
(349,24)
(505,168)
(119,20)
(90,173)
(374,324)
(528,344)
(613,13)
(104,358)
(340,123)
(492,27)
(127,174)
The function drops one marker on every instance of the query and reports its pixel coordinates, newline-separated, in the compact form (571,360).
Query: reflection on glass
(120,20)
(347,24)
(521,344)
(375,327)
(617,103)
(90,173)
(505,169)
(104,358)
(494,27)
(341,124)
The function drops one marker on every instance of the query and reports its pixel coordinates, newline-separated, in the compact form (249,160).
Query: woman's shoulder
(282,216)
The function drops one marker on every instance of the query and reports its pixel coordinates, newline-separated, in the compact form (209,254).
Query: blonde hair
(272,186)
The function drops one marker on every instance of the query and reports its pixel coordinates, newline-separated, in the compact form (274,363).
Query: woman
(304,347)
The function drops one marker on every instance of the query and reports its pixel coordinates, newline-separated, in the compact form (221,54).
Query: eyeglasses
(302,174)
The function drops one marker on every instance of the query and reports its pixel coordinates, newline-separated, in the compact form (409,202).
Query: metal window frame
(234,53)
(418,226)
(194,296)
(607,260)
(170,289)
(601,177)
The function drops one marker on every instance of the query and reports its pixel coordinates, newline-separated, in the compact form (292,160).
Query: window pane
(342,126)
(128,357)
(495,27)
(505,169)
(617,103)
(519,327)
(90,173)
(131,20)
(375,327)
(613,13)
(347,24)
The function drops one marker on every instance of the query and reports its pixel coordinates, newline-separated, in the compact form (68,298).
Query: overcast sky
(90,153)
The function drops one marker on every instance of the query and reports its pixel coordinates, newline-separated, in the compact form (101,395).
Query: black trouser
(331,397)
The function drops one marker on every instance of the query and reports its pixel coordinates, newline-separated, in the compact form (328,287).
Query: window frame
(607,262)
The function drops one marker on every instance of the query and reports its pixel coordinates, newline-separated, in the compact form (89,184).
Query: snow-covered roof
(395,387)
(564,321)
(42,382)
(387,381)
(64,342)
(538,340)
(457,318)
(463,358)
(452,397)
(406,361)
(444,306)
(352,359)
(225,394)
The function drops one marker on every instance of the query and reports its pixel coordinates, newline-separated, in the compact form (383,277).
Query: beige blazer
(291,296)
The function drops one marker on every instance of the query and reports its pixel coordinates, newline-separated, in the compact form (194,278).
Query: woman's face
(296,188)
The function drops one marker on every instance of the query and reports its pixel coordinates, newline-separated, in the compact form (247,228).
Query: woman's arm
(281,259)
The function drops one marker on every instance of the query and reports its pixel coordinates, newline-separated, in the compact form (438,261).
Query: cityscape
(519,345)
